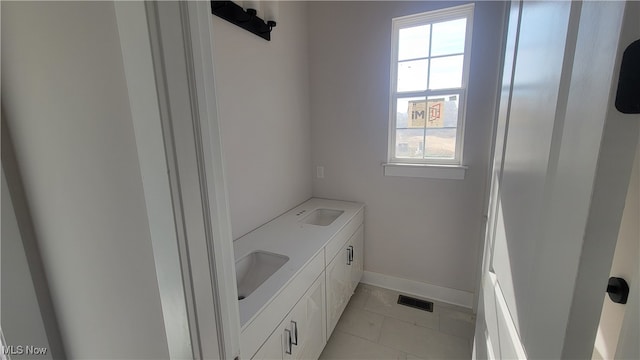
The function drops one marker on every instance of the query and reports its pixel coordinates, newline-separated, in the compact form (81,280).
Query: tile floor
(374,326)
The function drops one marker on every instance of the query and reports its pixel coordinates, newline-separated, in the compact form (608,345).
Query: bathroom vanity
(295,276)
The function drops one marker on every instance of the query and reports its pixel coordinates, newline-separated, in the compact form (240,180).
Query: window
(429,72)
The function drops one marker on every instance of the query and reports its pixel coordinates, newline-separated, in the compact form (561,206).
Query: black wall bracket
(247,20)
(618,290)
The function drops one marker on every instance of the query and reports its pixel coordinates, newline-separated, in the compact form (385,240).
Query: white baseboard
(424,290)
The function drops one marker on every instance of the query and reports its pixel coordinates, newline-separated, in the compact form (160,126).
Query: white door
(628,346)
(561,168)
(626,264)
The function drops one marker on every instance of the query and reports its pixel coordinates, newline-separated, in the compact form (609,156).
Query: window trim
(430,17)
(431,171)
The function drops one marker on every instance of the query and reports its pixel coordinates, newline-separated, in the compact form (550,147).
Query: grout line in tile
(384,319)
(403,351)
(338,332)
(358,336)
(410,322)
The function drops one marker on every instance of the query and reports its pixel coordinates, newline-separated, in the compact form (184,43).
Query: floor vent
(415,303)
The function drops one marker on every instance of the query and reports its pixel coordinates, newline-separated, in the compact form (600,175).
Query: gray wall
(262,89)
(419,229)
(22,322)
(65,99)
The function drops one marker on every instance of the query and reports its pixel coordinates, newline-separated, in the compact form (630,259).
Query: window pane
(413,42)
(442,111)
(441,143)
(407,116)
(412,75)
(448,37)
(446,72)
(410,143)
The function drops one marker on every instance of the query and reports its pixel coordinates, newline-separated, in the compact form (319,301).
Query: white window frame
(425,18)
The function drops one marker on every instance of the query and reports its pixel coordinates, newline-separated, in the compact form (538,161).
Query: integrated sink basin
(255,268)
(322,217)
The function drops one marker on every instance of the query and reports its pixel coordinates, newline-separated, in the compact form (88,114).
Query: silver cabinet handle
(349,254)
(294,338)
(288,348)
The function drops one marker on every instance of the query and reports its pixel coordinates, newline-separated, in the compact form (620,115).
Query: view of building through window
(428,121)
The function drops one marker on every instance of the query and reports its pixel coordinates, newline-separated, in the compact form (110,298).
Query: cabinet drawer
(337,242)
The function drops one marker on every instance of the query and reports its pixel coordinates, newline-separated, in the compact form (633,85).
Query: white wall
(65,99)
(262,90)
(420,229)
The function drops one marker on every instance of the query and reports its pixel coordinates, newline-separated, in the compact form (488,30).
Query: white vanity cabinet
(301,335)
(291,314)
(343,274)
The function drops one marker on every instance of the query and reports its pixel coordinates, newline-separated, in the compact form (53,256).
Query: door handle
(618,290)
(294,337)
(288,348)
(351,253)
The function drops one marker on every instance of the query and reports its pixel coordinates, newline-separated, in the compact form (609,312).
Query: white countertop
(286,235)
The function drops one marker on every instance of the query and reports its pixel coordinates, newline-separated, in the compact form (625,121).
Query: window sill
(432,171)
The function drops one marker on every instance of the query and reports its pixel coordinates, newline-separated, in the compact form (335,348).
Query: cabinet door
(310,318)
(338,275)
(274,347)
(301,335)
(357,265)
